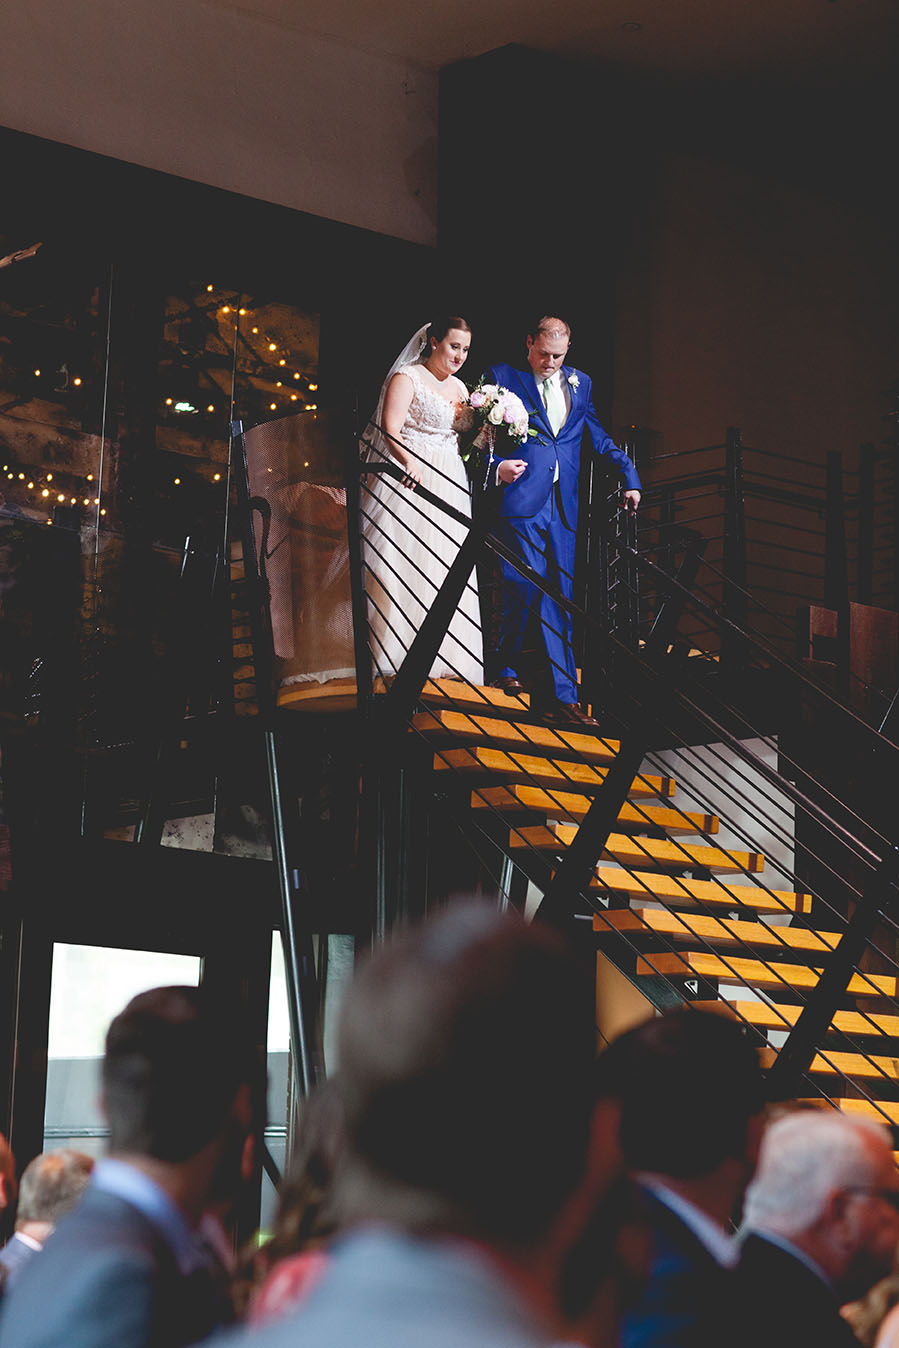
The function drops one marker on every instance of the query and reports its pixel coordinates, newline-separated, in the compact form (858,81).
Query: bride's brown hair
(441,326)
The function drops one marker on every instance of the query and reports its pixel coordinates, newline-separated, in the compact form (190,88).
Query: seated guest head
(691,1092)
(465,1045)
(181,1080)
(51,1185)
(828,1185)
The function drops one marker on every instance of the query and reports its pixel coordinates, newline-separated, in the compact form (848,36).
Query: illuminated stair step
(679,890)
(780,1017)
(547,772)
(515,734)
(755,973)
(641,852)
(559,803)
(727,931)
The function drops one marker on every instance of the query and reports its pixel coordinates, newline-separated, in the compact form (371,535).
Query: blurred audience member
(50,1187)
(874,1317)
(691,1092)
(8,1189)
(181,1087)
(290,1264)
(821,1227)
(464,1047)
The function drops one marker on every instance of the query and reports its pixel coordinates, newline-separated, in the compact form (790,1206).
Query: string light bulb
(77,381)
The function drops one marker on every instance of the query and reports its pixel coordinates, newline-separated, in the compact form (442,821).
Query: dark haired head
(439,327)
(465,1048)
(688,1083)
(175,1059)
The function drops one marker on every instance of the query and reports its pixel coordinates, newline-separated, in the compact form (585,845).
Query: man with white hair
(821,1226)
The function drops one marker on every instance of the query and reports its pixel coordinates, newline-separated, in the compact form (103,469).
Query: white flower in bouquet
(497,406)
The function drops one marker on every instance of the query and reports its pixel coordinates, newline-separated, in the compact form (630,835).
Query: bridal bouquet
(494,407)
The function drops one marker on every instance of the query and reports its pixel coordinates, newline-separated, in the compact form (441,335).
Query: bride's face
(449,355)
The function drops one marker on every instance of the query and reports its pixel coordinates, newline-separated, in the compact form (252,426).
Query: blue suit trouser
(547,545)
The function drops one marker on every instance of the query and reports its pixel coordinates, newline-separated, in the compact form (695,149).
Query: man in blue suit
(539,508)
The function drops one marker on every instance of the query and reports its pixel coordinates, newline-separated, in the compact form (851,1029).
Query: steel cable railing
(712,624)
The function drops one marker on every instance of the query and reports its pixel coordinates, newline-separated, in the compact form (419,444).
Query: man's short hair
(688,1083)
(52,1184)
(551,326)
(465,1047)
(175,1058)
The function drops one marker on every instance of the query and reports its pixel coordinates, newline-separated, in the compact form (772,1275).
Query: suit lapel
(532,400)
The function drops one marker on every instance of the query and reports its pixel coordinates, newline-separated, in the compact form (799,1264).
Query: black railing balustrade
(785,538)
(690,685)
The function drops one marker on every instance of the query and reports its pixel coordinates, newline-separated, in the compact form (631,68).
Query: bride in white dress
(409,545)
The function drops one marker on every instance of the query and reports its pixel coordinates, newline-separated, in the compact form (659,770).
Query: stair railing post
(734,604)
(353,468)
(864,587)
(836,573)
(303,1000)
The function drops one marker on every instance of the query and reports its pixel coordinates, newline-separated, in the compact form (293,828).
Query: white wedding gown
(409,545)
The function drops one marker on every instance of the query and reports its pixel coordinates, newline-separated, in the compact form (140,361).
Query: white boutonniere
(574,381)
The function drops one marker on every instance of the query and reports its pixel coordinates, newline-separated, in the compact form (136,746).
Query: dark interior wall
(528,216)
(761,285)
(726,255)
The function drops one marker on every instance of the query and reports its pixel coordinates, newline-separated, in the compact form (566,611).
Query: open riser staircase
(686,914)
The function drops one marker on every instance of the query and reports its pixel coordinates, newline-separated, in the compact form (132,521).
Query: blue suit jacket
(683,1303)
(106,1278)
(527,496)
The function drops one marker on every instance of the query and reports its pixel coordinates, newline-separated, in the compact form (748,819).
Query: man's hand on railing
(510,470)
(631,501)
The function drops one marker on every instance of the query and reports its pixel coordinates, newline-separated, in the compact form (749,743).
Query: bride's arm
(397,401)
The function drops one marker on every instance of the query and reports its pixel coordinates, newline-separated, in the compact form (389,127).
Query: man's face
(546,353)
(874,1220)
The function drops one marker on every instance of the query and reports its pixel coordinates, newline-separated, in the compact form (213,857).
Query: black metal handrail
(852,831)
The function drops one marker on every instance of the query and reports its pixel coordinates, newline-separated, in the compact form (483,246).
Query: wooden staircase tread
(515,734)
(780,1017)
(870,1068)
(528,769)
(680,890)
(728,931)
(446,691)
(880,1110)
(558,804)
(641,852)
(755,973)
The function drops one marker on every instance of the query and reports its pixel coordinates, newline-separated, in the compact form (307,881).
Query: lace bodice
(431,413)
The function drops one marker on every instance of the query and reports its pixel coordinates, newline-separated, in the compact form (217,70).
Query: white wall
(223,97)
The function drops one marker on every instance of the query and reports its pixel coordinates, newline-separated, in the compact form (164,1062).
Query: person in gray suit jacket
(470,1172)
(125,1269)
(52,1183)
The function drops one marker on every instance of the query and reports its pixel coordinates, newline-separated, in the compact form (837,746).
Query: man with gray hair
(50,1187)
(538,514)
(820,1227)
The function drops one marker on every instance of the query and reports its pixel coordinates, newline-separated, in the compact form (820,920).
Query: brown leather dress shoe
(569,716)
(509,685)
